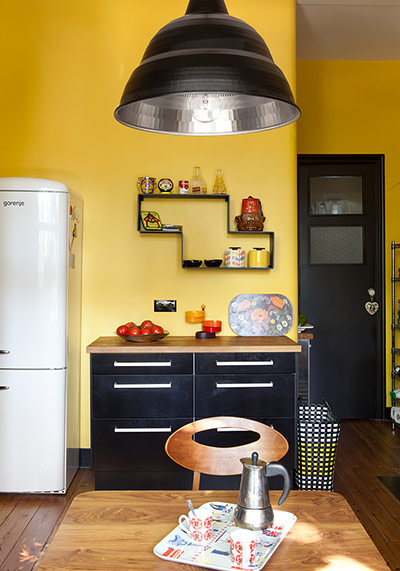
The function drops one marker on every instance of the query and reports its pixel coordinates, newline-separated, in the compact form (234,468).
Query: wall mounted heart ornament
(372,307)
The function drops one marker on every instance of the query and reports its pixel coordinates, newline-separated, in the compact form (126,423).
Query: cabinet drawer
(178,479)
(126,396)
(232,437)
(248,396)
(142,364)
(244,363)
(133,444)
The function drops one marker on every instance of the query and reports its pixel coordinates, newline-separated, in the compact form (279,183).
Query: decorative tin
(235,257)
(151,220)
(165,185)
(146,184)
(258,258)
(183,187)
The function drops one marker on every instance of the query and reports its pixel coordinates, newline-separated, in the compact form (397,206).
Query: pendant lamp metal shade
(207,73)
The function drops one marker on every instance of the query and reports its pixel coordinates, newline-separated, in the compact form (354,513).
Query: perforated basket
(317,438)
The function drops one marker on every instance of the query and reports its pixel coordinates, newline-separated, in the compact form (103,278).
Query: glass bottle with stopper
(198,184)
(219,185)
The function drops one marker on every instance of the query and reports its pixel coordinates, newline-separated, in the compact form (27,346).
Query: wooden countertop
(222,344)
(305,335)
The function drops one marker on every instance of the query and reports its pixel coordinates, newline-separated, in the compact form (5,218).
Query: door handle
(4,351)
(4,388)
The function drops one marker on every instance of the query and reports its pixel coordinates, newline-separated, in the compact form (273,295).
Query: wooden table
(117,530)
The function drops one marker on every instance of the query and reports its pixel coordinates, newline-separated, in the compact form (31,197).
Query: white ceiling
(348,29)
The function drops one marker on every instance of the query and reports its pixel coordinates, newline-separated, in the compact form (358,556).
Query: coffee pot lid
(254,461)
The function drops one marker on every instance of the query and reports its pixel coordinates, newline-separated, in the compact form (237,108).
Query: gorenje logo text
(13,203)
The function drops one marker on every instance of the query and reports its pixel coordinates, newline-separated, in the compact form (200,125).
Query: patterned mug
(199,526)
(243,548)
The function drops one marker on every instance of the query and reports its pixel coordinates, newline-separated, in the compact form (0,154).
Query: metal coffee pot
(254,510)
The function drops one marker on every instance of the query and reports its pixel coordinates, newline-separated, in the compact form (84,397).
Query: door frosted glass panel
(336,245)
(336,195)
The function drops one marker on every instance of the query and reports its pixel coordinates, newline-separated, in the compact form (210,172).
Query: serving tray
(176,546)
(263,314)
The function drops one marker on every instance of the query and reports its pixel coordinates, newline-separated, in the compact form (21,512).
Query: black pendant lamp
(207,73)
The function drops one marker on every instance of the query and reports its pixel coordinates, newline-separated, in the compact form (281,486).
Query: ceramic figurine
(251,218)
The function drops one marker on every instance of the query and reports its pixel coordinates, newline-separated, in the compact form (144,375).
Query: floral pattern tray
(262,314)
(176,546)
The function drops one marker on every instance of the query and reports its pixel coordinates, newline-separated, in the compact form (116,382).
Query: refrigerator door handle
(4,351)
(4,388)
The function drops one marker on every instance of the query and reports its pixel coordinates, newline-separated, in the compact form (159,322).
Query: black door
(340,221)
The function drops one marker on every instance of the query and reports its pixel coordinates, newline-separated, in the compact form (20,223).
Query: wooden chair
(182,449)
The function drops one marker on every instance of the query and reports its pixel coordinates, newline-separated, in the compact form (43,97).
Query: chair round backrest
(180,446)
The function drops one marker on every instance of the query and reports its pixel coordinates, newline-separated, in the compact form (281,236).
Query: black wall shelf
(226,198)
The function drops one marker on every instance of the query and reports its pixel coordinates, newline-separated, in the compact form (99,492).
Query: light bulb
(205,107)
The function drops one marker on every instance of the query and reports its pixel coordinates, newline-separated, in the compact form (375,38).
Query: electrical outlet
(165,305)
(395,414)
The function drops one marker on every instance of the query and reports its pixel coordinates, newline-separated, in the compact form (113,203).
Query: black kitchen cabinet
(138,399)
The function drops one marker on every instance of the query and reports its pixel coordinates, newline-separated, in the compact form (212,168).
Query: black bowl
(192,263)
(212,263)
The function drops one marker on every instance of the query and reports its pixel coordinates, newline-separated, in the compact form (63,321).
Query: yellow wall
(353,107)
(64,66)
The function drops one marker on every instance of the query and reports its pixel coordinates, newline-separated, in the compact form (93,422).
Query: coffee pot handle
(275,469)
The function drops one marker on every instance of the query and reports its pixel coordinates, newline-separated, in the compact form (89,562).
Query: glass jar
(198,184)
(219,185)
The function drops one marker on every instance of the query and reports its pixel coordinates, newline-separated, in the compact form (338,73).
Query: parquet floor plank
(7,503)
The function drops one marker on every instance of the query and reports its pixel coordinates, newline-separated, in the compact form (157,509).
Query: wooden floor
(367,449)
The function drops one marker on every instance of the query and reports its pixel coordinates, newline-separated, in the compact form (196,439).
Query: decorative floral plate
(263,314)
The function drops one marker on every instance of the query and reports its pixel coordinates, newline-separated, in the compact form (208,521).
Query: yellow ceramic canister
(258,258)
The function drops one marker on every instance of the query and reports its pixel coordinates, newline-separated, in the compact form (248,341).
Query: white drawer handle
(244,385)
(142,364)
(167,429)
(143,386)
(232,430)
(243,363)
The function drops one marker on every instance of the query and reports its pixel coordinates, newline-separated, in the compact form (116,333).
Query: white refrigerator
(40,324)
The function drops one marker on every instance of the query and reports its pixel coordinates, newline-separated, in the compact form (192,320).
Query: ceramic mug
(198,526)
(243,548)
